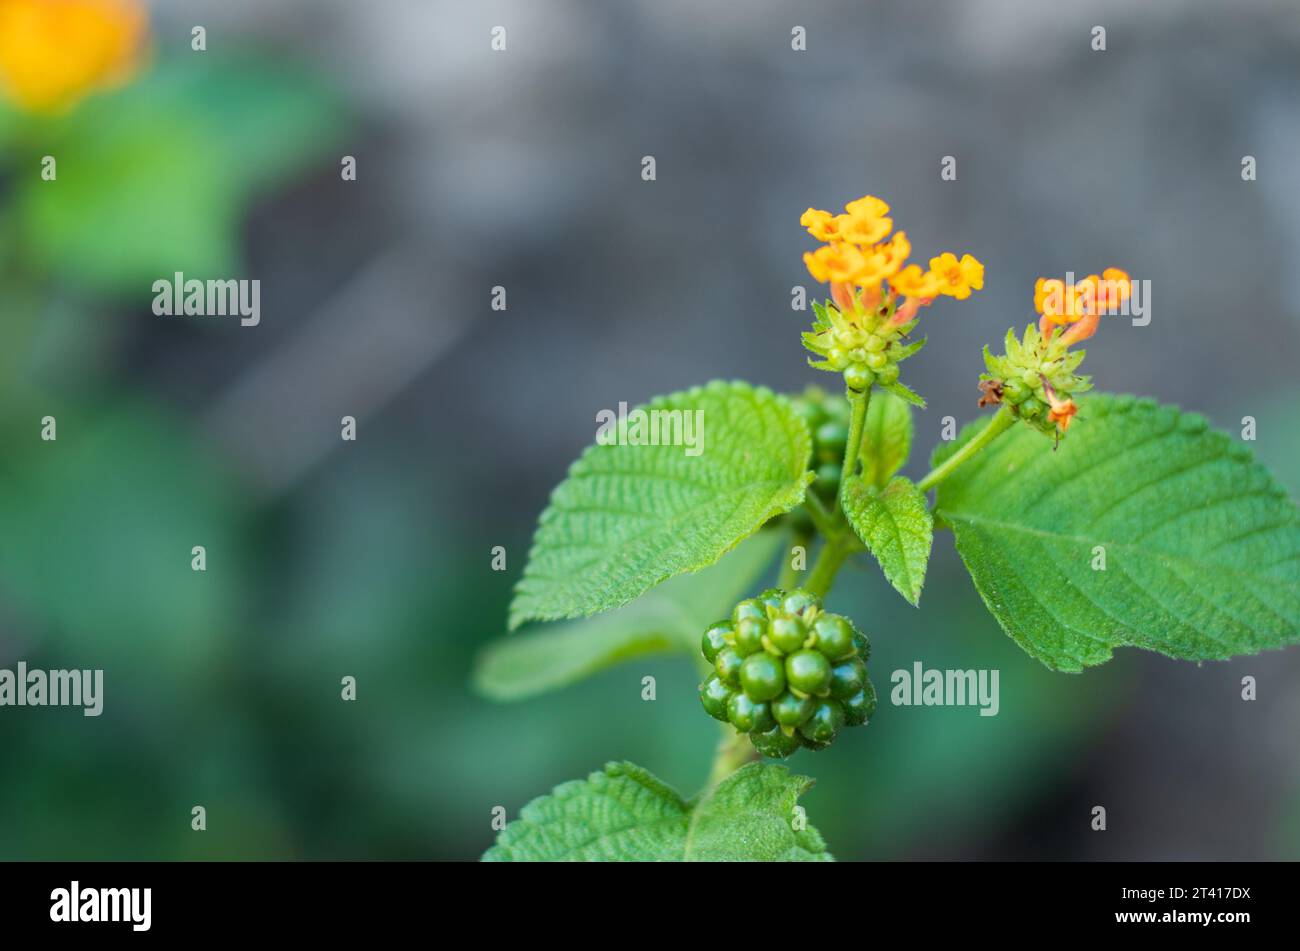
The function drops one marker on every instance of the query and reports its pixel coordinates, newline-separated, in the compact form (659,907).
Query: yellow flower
(868,206)
(841,263)
(822,225)
(911,281)
(55,52)
(865,222)
(957,278)
(886,259)
(1114,289)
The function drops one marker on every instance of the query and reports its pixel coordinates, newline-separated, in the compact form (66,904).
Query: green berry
(787,633)
(888,374)
(835,636)
(774,744)
(714,695)
(812,413)
(859,707)
(875,344)
(846,678)
(789,710)
(800,602)
(830,439)
(837,358)
(750,607)
(1030,378)
(877,361)
(716,638)
(827,482)
(748,715)
(749,635)
(1014,391)
(1030,408)
(728,666)
(772,597)
(820,728)
(857,377)
(762,676)
(837,407)
(808,671)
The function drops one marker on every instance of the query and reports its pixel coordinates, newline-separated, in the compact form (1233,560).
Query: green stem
(789,577)
(828,565)
(999,424)
(734,751)
(819,514)
(853,448)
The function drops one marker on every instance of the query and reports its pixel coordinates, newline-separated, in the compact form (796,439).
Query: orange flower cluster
(858,258)
(1082,304)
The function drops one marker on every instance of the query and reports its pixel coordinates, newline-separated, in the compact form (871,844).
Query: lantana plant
(1132,525)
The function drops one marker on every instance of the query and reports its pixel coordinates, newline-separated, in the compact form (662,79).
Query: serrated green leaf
(625,814)
(668,618)
(886,438)
(905,392)
(631,516)
(1201,545)
(896,526)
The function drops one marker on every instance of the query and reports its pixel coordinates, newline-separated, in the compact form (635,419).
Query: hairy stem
(820,516)
(828,564)
(999,424)
(857,422)
(734,751)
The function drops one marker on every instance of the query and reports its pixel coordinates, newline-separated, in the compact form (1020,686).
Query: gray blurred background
(522,169)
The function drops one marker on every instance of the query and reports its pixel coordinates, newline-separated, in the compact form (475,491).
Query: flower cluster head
(1080,305)
(55,52)
(1036,376)
(875,294)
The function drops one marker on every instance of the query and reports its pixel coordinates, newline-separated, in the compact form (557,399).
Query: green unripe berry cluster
(827,417)
(1030,366)
(787,672)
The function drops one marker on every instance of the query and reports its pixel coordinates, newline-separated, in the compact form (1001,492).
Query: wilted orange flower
(1061,413)
(55,52)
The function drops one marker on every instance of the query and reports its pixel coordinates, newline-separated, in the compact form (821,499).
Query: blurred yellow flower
(822,225)
(911,281)
(957,278)
(842,263)
(55,52)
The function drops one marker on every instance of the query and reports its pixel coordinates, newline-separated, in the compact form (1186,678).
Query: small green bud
(857,377)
